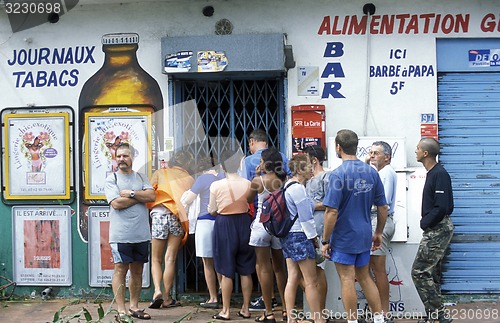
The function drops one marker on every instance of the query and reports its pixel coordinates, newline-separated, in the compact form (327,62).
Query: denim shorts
(297,247)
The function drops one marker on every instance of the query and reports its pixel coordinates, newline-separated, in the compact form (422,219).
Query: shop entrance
(469,125)
(226,111)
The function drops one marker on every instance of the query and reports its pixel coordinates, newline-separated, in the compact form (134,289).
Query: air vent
(223,27)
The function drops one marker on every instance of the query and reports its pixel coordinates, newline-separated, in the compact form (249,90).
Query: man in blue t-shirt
(353,188)
(257,142)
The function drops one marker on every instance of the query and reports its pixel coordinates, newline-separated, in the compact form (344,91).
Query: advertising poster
(37,161)
(100,256)
(42,245)
(211,61)
(104,133)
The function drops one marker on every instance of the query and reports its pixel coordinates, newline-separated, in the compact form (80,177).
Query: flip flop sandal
(265,318)
(140,314)
(243,316)
(174,303)
(156,303)
(220,317)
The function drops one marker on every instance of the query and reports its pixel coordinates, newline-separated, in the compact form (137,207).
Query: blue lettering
(44,54)
(334,69)
(18,74)
(13,61)
(32,58)
(69,57)
(90,52)
(58,57)
(62,82)
(28,80)
(52,80)
(74,75)
(334,49)
(41,78)
(21,58)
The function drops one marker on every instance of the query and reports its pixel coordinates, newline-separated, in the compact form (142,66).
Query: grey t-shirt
(130,225)
(316,189)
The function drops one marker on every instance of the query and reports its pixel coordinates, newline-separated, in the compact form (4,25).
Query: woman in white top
(266,246)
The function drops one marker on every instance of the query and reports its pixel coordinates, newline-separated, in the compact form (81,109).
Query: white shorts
(259,237)
(204,238)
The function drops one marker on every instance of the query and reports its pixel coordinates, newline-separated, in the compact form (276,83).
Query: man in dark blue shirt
(437,205)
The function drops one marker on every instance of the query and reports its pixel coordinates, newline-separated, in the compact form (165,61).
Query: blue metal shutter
(469,133)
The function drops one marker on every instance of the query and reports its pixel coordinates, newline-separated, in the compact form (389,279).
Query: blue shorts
(130,252)
(232,253)
(356,259)
(297,247)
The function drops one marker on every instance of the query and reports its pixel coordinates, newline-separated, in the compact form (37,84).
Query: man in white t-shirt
(380,158)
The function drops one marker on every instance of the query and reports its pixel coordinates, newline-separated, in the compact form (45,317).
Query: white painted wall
(389,115)
(300,20)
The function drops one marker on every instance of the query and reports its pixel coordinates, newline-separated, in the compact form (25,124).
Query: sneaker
(258,304)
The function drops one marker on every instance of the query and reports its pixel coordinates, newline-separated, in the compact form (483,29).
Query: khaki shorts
(387,235)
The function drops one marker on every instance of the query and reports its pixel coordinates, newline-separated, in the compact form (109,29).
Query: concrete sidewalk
(38,311)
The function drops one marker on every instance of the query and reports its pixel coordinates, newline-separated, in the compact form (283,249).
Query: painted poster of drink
(37,162)
(42,245)
(104,134)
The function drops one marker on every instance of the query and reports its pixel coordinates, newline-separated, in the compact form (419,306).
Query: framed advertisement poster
(42,245)
(100,257)
(104,132)
(37,156)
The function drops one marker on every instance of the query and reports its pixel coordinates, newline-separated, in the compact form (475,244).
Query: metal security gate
(214,115)
(469,133)
(226,111)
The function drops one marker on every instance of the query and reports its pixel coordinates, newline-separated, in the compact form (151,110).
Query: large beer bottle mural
(120,80)
(117,104)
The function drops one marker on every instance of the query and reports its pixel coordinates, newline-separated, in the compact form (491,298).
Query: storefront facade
(392,70)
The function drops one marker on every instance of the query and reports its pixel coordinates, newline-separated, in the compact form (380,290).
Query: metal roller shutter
(469,133)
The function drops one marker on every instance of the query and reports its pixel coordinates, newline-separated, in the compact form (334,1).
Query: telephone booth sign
(308,127)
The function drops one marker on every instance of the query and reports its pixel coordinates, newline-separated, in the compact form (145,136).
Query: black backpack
(275,216)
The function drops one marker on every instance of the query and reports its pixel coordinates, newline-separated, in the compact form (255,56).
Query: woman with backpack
(271,178)
(299,246)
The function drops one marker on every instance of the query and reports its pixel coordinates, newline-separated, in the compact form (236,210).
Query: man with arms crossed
(129,234)
(437,205)
(380,158)
(353,188)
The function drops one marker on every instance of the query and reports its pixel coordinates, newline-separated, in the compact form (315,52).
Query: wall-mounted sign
(484,57)
(308,126)
(211,61)
(308,80)
(100,257)
(42,245)
(179,62)
(37,158)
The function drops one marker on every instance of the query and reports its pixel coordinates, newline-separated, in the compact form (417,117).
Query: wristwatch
(325,242)
(132,194)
